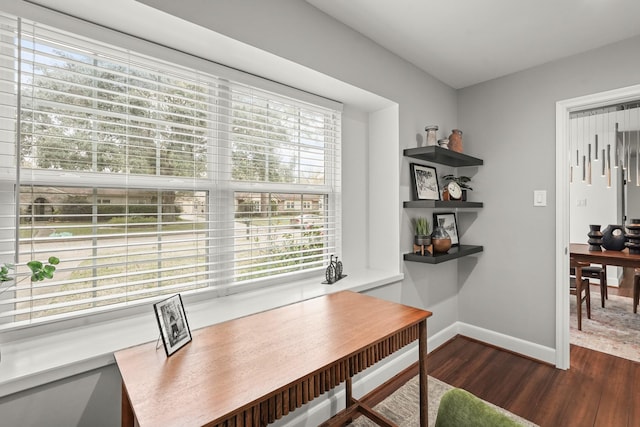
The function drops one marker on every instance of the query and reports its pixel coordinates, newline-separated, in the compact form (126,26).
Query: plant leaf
(34,265)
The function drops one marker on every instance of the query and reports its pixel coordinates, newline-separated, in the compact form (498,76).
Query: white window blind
(147,178)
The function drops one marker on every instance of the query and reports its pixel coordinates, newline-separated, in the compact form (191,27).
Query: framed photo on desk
(173,324)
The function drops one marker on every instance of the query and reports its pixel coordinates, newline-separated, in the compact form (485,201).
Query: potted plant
(423,232)
(462,181)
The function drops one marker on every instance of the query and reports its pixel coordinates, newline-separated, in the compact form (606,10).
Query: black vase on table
(613,238)
(595,237)
(633,236)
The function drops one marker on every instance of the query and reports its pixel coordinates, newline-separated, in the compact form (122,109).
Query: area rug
(401,407)
(614,329)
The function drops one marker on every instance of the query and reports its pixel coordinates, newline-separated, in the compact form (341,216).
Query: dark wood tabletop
(581,252)
(241,369)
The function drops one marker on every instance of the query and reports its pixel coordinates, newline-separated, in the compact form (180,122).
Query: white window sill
(35,361)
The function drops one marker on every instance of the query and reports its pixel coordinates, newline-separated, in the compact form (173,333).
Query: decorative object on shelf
(444,143)
(422,238)
(613,238)
(595,237)
(452,191)
(440,238)
(450,225)
(455,141)
(633,236)
(424,182)
(461,181)
(333,272)
(173,325)
(432,135)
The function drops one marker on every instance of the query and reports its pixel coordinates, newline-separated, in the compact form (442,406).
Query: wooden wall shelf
(454,253)
(443,156)
(432,204)
(435,154)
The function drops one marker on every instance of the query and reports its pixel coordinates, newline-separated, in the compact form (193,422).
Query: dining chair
(580,288)
(636,290)
(599,273)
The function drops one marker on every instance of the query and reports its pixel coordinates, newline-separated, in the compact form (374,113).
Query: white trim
(563,109)
(516,345)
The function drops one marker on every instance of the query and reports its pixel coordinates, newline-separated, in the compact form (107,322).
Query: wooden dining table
(579,252)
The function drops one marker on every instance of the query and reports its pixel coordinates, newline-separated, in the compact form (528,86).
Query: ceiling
(464,42)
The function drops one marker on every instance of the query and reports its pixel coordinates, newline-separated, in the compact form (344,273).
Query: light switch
(539,197)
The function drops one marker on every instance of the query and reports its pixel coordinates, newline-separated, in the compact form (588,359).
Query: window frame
(106,181)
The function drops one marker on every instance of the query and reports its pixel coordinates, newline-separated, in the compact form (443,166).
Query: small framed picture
(172,322)
(450,225)
(424,182)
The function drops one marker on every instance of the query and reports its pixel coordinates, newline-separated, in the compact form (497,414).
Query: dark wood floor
(598,389)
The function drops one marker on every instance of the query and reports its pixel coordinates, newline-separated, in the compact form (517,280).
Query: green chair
(459,408)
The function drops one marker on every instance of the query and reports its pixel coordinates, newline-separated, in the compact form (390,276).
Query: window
(147,178)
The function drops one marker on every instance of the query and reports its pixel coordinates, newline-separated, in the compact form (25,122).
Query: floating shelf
(436,154)
(454,253)
(430,204)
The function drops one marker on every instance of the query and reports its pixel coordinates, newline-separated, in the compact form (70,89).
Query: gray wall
(91,399)
(511,121)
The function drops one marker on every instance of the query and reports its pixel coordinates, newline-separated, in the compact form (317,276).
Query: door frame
(563,110)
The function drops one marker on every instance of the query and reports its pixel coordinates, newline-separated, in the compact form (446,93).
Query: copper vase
(455,141)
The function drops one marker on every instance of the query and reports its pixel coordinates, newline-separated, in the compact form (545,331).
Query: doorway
(564,109)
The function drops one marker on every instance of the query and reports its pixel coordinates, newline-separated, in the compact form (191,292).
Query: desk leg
(127,418)
(349,395)
(424,379)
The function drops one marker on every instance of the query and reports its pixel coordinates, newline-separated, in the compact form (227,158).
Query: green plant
(422,226)
(39,270)
(463,181)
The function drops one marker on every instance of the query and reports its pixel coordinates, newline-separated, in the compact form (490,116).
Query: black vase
(595,238)
(613,238)
(633,236)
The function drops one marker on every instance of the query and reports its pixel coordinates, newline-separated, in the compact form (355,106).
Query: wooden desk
(253,370)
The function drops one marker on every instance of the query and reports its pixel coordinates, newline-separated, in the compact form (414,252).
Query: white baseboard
(321,409)
(516,345)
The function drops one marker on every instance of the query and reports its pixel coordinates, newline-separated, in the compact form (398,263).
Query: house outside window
(147,178)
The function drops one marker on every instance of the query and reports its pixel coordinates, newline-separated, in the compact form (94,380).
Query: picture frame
(173,325)
(424,182)
(450,225)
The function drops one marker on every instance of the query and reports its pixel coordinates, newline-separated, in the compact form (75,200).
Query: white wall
(511,121)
